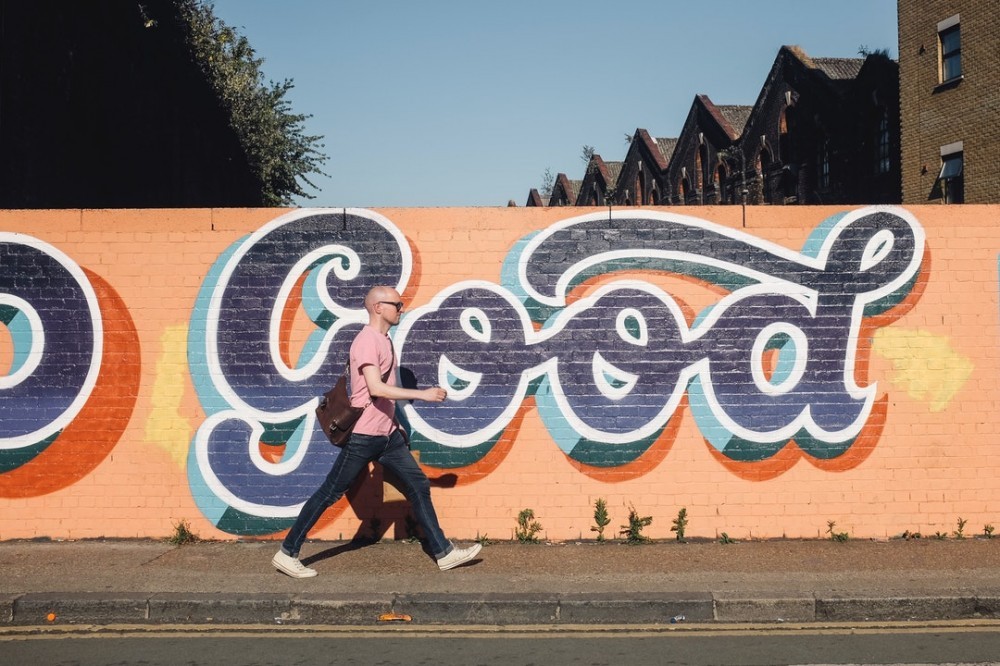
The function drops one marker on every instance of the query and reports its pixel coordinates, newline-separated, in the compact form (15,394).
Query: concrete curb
(41,609)
(800,608)
(636,608)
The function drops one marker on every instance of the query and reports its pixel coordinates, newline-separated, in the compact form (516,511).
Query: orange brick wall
(129,397)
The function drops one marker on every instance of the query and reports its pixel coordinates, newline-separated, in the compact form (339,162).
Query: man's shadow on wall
(378,501)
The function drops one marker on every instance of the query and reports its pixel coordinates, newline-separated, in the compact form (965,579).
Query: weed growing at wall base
(680,524)
(600,517)
(527,527)
(633,531)
(835,536)
(182,534)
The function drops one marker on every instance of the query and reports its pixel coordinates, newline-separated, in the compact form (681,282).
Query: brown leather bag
(336,414)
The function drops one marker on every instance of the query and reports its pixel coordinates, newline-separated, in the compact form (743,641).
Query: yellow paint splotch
(923,364)
(166,426)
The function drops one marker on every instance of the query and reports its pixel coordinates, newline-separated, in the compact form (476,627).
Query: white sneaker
(291,566)
(459,556)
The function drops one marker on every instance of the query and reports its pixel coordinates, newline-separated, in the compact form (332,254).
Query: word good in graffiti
(608,370)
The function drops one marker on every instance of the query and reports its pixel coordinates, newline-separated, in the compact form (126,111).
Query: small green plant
(182,534)
(633,531)
(988,531)
(724,539)
(960,529)
(483,540)
(680,524)
(600,518)
(835,536)
(940,536)
(907,535)
(527,527)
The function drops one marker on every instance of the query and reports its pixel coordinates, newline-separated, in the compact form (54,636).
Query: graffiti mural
(260,405)
(73,369)
(609,360)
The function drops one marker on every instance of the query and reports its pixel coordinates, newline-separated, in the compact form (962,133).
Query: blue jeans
(392,453)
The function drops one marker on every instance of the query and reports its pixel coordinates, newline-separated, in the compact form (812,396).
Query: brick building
(536,199)
(642,180)
(599,182)
(564,191)
(822,131)
(815,133)
(697,174)
(949,81)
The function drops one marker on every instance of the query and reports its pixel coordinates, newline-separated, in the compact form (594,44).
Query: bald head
(380,293)
(384,307)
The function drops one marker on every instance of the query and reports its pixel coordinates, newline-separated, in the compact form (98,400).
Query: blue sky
(467,103)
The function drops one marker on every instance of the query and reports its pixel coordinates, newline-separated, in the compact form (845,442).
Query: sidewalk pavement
(105,582)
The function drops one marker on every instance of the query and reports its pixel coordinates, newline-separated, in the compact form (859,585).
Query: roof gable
(793,68)
(535,199)
(564,191)
(600,176)
(642,142)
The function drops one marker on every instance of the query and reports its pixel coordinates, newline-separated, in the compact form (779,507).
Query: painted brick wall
(809,365)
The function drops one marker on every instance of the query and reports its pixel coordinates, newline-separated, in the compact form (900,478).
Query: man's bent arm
(379,389)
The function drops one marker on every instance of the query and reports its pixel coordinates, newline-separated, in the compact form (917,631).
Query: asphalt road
(743,646)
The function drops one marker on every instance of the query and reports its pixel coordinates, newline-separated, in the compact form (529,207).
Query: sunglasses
(398,305)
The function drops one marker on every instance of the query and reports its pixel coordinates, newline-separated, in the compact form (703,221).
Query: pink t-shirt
(371,347)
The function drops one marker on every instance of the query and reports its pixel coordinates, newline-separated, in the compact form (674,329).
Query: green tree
(273,138)
(548,182)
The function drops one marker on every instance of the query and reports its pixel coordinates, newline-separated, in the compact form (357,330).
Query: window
(950,43)
(705,172)
(699,180)
(784,137)
(764,167)
(951,176)
(883,164)
(823,165)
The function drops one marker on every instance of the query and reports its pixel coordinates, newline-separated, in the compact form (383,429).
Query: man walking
(376,437)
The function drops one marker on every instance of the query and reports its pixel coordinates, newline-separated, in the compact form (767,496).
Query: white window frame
(948,153)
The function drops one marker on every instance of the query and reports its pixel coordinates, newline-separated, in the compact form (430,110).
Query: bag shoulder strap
(385,377)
